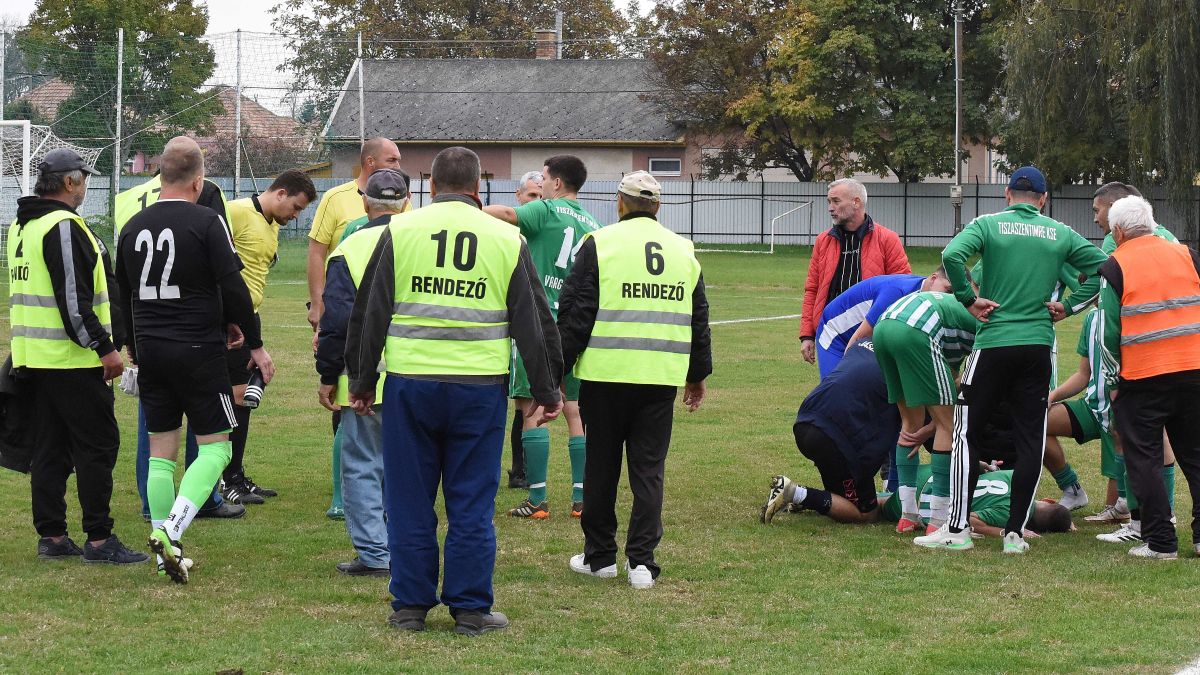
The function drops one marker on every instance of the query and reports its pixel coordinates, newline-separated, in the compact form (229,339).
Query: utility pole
(114,181)
(956,190)
(558,28)
(237,121)
(362,111)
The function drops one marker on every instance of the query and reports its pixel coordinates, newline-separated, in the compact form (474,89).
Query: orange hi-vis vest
(1160,308)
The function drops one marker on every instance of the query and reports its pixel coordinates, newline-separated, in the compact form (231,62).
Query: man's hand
(808,349)
(915,439)
(982,308)
(266,366)
(544,413)
(316,339)
(1058,311)
(314,315)
(234,338)
(361,403)
(693,395)
(113,365)
(325,397)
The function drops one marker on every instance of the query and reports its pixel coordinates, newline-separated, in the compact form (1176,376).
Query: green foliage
(23,109)
(1100,91)
(325,33)
(165,64)
(829,87)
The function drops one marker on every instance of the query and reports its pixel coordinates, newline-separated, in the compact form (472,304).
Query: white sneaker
(1113,513)
(1144,551)
(1015,543)
(578,565)
(1125,533)
(1074,497)
(1197,548)
(944,538)
(639,577)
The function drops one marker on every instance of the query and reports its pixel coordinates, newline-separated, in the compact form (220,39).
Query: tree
(325,33)
(23,109)
(827,87)
(165,64)
(1100,91)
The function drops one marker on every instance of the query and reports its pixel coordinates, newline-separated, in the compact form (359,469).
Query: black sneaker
(477,623)
(408,619)
(255,489)
(356,568)
(224,510)
(112,552)
(48,549)
(235,492)
(517,481)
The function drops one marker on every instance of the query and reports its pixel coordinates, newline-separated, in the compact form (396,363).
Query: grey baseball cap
(387,184)
(61,160)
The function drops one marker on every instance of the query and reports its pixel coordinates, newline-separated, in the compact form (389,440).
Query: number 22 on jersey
(166,245)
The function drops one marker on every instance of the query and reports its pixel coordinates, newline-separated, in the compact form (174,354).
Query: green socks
(1122,489)
(1066,477)
(160,489)
(939,464)
(337,467)
(537,461)
(906,476)
(577,447)
(197,483)
(1169,481)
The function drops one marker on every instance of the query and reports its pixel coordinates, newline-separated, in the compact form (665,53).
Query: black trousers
(633,420)
(76,428)
(1142,410)
(1016,376)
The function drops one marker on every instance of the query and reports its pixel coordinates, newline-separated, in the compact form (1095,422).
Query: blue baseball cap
(1029,179)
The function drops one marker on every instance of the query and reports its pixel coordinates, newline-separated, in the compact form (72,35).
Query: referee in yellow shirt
(254,222)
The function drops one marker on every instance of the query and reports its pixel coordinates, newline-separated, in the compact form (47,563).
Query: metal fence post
(904,216)
(237,123)
(362,112)
(762,210)
(114,181)
(692,207)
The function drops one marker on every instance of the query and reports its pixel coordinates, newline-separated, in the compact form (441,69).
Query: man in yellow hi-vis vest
(446,291)
(634,323)
(359,438)
(63,340)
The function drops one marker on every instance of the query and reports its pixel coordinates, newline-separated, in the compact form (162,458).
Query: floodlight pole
(956,191)
(114,181)
(237,122)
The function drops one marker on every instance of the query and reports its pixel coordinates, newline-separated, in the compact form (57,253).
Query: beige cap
(640,184)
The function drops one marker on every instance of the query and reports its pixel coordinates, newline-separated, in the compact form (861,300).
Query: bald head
(182,162)
(378,153)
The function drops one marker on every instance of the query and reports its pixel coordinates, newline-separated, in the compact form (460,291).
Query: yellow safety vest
(134,200)
(453,263)
(356,250)
(39,339)
(643,330)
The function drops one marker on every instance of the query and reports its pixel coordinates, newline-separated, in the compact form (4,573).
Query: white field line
(1192,668)
(711,323)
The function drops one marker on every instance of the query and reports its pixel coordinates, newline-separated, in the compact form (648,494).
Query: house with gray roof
(514,113)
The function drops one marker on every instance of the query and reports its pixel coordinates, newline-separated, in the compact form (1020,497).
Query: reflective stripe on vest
(356,251)
(39,338)
(1160,308)
(643,329)
(453,264)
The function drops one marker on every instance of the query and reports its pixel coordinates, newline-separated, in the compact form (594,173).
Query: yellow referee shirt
(257,242)
(338,207)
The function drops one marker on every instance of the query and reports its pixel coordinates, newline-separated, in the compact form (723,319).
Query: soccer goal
(771,236)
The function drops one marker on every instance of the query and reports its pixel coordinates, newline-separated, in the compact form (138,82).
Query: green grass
(803,594)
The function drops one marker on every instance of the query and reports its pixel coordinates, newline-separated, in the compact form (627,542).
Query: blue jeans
(142,464)
(362,486)
(449,434)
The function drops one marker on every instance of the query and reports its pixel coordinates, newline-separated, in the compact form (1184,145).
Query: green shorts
(518,380)
(1109,468)
(913,366)
(1084,426)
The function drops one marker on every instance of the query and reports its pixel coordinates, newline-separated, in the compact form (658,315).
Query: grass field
(802,594)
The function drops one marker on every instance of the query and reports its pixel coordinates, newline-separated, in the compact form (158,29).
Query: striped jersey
(940,316)
(1091,348)
(864,301)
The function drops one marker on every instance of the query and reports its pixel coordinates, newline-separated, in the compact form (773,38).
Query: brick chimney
(547,43)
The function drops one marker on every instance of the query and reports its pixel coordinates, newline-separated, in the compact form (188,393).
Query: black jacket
(580,300)
(338,299)
(68,256)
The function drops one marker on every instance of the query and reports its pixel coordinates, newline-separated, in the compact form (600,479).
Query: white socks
(181,516)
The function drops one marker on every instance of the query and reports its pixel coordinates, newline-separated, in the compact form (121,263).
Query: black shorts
(836,473)
(237,360)
(177,378)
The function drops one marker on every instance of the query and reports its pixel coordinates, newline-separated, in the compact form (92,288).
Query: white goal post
(16,139)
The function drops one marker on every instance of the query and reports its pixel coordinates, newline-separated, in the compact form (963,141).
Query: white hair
(857,189)
(535,176)
(386,205)
(1133,216)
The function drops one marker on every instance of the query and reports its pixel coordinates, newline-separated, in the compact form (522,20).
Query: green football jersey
(1023,253)
(991,502)
(942,317)
(352,227)
(554,230)
(1090,347)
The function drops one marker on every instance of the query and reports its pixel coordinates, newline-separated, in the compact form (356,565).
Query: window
(666,166)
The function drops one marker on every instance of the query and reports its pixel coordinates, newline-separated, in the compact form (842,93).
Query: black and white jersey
(171,259)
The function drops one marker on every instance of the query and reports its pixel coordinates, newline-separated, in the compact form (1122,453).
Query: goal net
(22,147)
